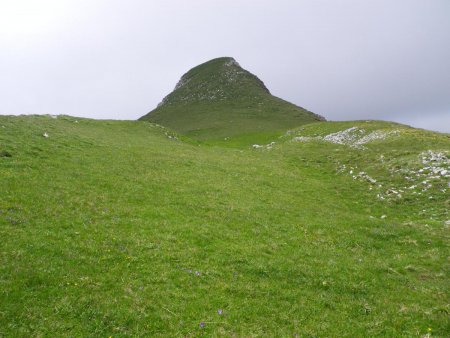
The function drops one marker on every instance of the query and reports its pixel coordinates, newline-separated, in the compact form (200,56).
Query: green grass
(111,228)
(219,100)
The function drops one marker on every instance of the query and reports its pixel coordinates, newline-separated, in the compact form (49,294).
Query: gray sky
(343,59)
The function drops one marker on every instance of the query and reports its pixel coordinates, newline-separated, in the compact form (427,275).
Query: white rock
(303,138)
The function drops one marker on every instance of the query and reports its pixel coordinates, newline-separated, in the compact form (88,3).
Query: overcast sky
(343,59)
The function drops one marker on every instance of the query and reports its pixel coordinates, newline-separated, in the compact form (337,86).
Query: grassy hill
(120,228)
(219,99)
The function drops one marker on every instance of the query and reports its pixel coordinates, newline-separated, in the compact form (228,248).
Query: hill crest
(220,99)
(216,80)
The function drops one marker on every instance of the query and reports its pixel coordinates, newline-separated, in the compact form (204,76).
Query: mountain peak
(219,98)
(216,80)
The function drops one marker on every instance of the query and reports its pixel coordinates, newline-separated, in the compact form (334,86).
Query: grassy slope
(104,224)
(221,100)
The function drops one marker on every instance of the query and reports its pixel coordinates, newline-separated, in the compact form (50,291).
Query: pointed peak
(225,60)
(220,98)
(217,65)
(215,80)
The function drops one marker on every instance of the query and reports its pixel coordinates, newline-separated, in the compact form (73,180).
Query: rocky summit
(219,99)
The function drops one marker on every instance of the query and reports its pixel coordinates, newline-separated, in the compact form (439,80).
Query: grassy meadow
(124,228)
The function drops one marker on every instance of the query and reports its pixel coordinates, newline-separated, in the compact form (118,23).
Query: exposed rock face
(353,137)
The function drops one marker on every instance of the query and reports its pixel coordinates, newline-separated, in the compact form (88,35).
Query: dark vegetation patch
(5,153)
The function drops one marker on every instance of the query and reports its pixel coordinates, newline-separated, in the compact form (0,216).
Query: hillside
(219,99)
(125,228)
